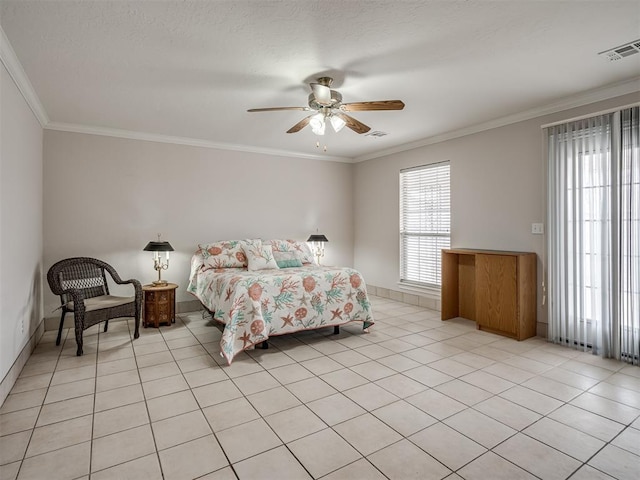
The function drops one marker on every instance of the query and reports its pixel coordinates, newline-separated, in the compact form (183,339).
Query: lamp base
(160,283)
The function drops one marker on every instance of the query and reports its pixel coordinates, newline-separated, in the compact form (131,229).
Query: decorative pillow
(259,256)
(224,254)
(293,262)
(286,257)
(301,249)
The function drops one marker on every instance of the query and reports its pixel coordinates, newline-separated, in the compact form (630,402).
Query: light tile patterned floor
(415,398)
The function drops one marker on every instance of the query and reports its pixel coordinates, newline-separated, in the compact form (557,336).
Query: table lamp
(317,244)
(158,264)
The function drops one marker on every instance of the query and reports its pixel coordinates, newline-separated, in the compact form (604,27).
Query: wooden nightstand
(159,304)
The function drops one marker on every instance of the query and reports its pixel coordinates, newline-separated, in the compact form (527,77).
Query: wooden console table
(496,289)
(159,304)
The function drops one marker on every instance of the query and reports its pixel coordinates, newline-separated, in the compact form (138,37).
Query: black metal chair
(82,286)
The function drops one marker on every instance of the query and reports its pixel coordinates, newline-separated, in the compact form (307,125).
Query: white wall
(107,197)
(497,191)
(20,223)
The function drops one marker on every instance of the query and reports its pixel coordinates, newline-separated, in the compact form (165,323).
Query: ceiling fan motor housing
(336,101)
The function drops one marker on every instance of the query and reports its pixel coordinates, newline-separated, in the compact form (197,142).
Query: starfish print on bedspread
(336,314)
(288,320)
(246,338)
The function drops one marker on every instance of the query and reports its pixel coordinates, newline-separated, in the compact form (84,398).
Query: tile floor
(415,398)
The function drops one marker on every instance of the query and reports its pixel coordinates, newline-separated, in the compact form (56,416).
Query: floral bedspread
(255,305)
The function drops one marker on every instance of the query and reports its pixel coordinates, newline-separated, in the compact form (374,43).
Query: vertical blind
(594,234)
(629,315)
(425,223)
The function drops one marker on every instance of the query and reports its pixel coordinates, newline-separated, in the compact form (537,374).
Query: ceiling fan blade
(379,105)
(273,109)
(300,125)
(322,93)
(355,125)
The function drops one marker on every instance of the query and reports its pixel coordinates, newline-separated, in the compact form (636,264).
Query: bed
(259,289)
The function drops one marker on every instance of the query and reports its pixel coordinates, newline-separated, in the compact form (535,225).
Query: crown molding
(192,142)
(14,67)
(9,59)
(585,98)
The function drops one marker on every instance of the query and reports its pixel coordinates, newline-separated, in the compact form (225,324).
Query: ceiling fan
(328,108)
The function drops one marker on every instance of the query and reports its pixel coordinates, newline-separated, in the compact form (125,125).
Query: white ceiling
(192,68)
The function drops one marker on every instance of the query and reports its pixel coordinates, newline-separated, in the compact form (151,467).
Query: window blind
(425,223)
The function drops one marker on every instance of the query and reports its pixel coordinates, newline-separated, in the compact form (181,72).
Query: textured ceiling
(192,68)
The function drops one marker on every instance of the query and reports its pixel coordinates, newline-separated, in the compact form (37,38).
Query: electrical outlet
(537,228)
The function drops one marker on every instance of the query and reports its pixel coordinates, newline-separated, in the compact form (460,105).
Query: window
(425,223)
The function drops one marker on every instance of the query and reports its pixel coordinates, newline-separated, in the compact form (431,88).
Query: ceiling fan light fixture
(329,107)
(337,123)
(317,124)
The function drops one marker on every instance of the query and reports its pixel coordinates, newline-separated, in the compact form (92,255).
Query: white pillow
(259,256)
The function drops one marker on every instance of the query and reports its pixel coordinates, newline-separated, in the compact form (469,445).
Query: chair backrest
(82,273)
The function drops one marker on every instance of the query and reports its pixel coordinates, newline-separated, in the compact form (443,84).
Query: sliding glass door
(594,234)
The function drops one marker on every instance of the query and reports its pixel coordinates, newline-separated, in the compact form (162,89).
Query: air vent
(376,134)
(622,51)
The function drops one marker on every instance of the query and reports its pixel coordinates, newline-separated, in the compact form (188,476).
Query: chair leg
(136,332)
(79,328)
(106,325)
(79,342)
(60,327)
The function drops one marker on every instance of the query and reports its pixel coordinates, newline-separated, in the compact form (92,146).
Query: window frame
(432,224)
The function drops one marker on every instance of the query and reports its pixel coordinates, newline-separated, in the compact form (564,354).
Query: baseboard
(542,330)
(52,323)
(10,378)
(188,306)
(404,297)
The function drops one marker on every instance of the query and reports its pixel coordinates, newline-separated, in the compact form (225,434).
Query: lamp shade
(317,238)
(337,123)
(317,124)
(158,247)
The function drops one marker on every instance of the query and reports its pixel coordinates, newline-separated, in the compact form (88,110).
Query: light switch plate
(537,228)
